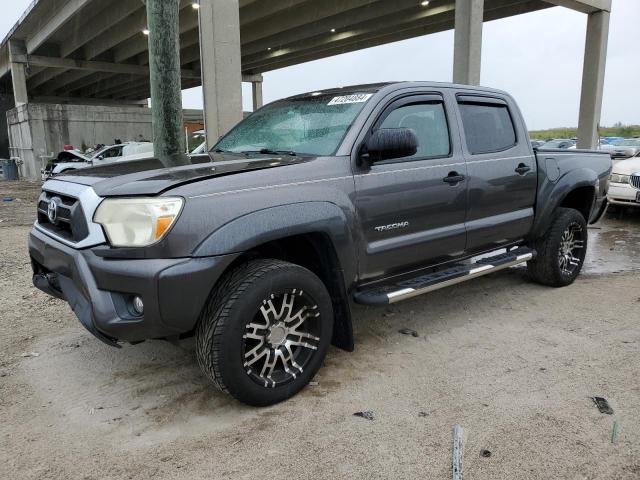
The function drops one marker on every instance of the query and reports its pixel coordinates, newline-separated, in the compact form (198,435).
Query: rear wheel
(265,331)
(562,250)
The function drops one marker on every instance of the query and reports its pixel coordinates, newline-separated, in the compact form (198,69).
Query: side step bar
(387,294)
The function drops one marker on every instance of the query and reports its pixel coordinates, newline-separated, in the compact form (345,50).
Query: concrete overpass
(96,51)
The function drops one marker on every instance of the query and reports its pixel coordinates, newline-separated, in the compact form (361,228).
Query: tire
(559,259)
(264,308)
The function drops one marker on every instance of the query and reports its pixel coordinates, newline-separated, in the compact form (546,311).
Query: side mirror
(388,143)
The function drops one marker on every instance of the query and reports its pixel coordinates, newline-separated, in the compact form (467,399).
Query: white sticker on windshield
(355,98)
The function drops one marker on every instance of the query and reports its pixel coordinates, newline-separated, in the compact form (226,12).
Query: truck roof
(391,86)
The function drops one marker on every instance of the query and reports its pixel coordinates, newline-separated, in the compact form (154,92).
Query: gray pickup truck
(370,194)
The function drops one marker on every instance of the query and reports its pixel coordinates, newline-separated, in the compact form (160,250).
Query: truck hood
(150,177)
(627,167)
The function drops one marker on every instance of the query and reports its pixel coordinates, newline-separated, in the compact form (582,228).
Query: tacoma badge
(392,226)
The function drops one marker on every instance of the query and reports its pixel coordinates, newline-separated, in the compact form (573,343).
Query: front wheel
(561,251)
(265,331)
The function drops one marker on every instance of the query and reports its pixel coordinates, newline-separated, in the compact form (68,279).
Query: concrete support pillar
(18,59)
(468,41)
(166,83)
(221,66)
(256,88)
(595,57)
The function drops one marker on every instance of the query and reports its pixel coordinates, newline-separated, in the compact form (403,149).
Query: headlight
(617,178)
(137,222)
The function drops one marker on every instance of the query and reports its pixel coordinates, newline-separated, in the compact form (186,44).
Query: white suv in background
(74,160)
(624,188)
(123,153)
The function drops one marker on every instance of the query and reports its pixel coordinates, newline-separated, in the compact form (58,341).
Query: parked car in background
(623,149)
(602,145)
(195,140)
(65,161)
(69,160)
(624,186)
(559,143)
(123,153)
(202,148)
(537,143)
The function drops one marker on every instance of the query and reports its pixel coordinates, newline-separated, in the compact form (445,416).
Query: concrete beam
(303,16)
(261,10)
(467,48)
(367,23)
(61,16)
(118,85)
(17,52)
(221,66)
(376,15)
(140,91)
(139,43)
(129,27)
(252,77)
(64,80)
(102,22)
(584,6)
(71,64)
(595,58)
(74,89)
(87,101)
(132,26)
(394,33)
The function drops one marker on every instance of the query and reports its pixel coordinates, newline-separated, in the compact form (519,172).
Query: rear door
(501,167)
(409,215)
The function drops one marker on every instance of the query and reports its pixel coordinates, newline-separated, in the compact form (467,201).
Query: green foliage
(618,130)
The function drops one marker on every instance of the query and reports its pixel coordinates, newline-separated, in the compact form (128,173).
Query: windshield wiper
(269,151)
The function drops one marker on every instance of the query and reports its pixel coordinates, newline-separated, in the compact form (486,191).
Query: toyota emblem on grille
(52,210)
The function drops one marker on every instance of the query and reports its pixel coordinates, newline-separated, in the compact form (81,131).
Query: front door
(411,210)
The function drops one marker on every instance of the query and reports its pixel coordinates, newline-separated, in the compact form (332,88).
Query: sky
(537,57)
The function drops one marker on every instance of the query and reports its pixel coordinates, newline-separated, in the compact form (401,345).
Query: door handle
(453,178)
(522,169)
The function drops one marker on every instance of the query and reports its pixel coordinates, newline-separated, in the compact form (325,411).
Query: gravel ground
(512,362)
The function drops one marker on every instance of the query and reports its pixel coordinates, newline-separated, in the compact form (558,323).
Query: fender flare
(551,195)
(274,223)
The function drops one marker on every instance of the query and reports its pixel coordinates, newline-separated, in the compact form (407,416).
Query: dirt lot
(514,363)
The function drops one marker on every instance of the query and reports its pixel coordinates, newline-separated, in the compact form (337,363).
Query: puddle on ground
(614,243)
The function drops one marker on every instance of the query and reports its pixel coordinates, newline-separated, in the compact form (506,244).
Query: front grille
(69,222)
(634,180)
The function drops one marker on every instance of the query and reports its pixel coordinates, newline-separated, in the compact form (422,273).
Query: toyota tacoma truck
(369,194)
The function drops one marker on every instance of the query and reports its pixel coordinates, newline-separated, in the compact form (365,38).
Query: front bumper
(98,289)
(623,194)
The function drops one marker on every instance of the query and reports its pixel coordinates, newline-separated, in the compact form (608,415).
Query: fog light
(138,305)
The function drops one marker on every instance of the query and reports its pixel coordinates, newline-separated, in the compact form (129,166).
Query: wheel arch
(580,199)
(314,235)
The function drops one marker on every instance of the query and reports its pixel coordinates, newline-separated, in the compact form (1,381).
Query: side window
(487,127)
(114,152)
(429,123)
